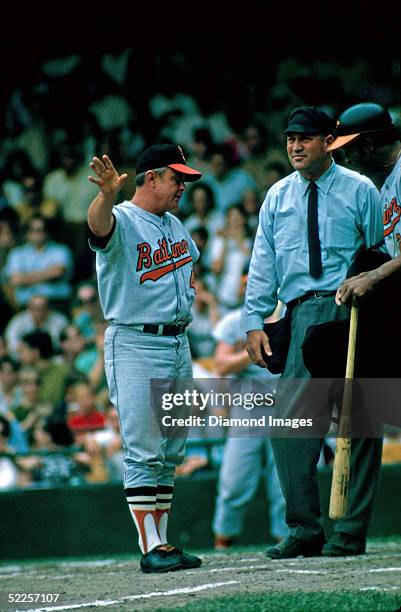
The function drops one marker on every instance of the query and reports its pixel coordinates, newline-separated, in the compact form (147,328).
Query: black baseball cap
(159,156)
(309,120)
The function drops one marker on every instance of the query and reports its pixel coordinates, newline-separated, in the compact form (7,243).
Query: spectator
(30,410)
(230,251)
(201,148)
(228,183)
(88,311)
(40,267)
(57,467)
(107,444)
(248,453)
(8,469)
(205,316)
(10,391)
(251,205)
(36,349)
(33,203)
(202,209)
(86,417)
(16,167)
(38,317)
(68,186)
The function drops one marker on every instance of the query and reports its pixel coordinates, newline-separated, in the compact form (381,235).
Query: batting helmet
(366,118)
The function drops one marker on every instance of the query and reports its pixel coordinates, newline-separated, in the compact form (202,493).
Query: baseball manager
(144,264)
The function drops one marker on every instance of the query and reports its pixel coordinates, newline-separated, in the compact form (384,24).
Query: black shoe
(187,561)
(344,545)
(293,547)
(160,560)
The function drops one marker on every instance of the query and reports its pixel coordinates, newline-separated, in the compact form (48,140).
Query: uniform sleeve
(262,286)
(371,215)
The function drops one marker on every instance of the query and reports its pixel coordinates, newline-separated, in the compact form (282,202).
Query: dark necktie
(315,256)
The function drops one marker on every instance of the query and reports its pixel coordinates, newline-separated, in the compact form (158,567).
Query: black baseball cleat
(293,547)
(344,545)
(187,561)
(160,560)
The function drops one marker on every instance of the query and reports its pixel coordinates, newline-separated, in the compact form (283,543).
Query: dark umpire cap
(366,119)
(159,156)
(309,120)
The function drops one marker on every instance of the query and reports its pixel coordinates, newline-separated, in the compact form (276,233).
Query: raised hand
(108,181)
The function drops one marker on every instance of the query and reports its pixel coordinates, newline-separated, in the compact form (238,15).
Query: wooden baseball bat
(342,458)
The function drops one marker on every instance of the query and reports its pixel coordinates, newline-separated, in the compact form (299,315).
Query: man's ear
(150,178)
(329,139)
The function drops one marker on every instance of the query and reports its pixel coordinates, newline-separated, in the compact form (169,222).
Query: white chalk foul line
(300,571)
(385,569)
(111,602)
(377,588)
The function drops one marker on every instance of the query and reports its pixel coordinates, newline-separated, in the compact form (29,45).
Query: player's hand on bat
(108,180)
(356,287)
(256,340)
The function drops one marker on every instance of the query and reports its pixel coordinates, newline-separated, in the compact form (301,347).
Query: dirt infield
(248,576)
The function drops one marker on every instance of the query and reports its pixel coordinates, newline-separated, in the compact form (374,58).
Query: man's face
(308,153)
(36,234)
(169,188)
(39,310)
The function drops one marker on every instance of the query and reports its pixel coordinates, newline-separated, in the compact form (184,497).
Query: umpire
(311,224)
(144,261)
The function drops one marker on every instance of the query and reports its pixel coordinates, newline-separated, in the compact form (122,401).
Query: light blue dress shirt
(349,216)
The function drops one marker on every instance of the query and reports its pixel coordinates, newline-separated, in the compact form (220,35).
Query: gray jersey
(145,273)
(391,201)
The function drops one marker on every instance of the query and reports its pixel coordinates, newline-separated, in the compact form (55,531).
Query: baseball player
(144,260)
(373,147)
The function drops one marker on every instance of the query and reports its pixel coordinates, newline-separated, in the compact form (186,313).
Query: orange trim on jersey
(391,227)
(157,273)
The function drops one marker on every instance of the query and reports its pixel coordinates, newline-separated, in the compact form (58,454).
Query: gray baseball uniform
(145,277)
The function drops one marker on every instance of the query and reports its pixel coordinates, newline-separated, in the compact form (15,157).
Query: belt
(317,295)
(162,330)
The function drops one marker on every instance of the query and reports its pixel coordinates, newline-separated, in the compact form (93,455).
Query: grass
(294,602)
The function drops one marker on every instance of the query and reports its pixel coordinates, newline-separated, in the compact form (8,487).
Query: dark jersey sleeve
(102,241)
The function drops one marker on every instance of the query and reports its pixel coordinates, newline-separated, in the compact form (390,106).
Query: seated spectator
(205,316)
(18,165)
(84,358)
(10,390)
(37,316)
(88,311)
(85,417)
(8,469)
(9,236)
(251,204)
(105,445)
(33,203)
(227,181)
(30,409)
(36,350)
(40,267)
(58,467)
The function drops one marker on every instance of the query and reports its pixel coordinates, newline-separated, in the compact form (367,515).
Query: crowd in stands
(53,392)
